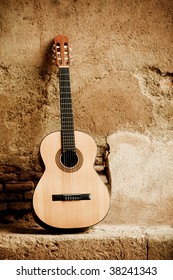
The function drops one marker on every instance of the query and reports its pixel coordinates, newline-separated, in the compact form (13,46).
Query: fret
(65,84)
(70,131)
(66,125)
(63,117)
(70,143)
(65,78)
(67,122)
(67,110)
(68,139)
(67,119)
(63,103)
(64,90)
(64,94)
(68,113)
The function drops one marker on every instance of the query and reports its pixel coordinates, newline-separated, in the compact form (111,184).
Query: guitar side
(79,180)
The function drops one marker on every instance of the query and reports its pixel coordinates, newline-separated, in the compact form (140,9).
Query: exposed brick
(28,195)
(36,175)
(20,186)
(25,177)
(8,169)
(11,196)
(8,177)
(33,175)
(20,206)
(3,206)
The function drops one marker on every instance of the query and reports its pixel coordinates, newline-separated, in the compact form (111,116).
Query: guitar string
(67,119)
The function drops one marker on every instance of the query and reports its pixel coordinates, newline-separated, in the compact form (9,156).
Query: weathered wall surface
(121,81)
(142,179)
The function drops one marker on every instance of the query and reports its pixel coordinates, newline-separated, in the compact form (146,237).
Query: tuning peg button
(53,48)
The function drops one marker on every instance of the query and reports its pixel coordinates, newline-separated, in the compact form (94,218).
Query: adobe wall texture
(122,89)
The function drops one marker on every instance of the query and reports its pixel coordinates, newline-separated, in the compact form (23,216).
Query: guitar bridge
(70,197)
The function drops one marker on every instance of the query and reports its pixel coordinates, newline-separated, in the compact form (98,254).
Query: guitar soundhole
(69,161)
(69,158)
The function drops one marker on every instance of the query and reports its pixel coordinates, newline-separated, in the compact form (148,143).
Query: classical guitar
(70,194)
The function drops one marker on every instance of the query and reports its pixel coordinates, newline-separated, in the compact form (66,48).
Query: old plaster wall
(121,79)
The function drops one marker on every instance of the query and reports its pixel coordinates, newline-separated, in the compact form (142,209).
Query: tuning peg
(70,48)
(53,48)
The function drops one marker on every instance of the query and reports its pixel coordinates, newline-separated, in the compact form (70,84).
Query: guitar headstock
(61,51)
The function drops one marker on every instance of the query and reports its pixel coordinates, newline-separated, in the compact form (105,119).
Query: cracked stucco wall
(121,80)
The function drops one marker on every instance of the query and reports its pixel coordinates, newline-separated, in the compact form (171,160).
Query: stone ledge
(101,242)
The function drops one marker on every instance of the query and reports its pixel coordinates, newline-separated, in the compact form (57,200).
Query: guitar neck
(67,124)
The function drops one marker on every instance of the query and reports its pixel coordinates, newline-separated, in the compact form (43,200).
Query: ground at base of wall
(102,242)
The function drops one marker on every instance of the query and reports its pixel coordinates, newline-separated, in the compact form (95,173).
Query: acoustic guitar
(70,193)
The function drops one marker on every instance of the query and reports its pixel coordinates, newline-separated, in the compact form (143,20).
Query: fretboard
(67,125)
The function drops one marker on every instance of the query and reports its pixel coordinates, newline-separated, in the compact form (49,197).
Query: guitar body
(70,197)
